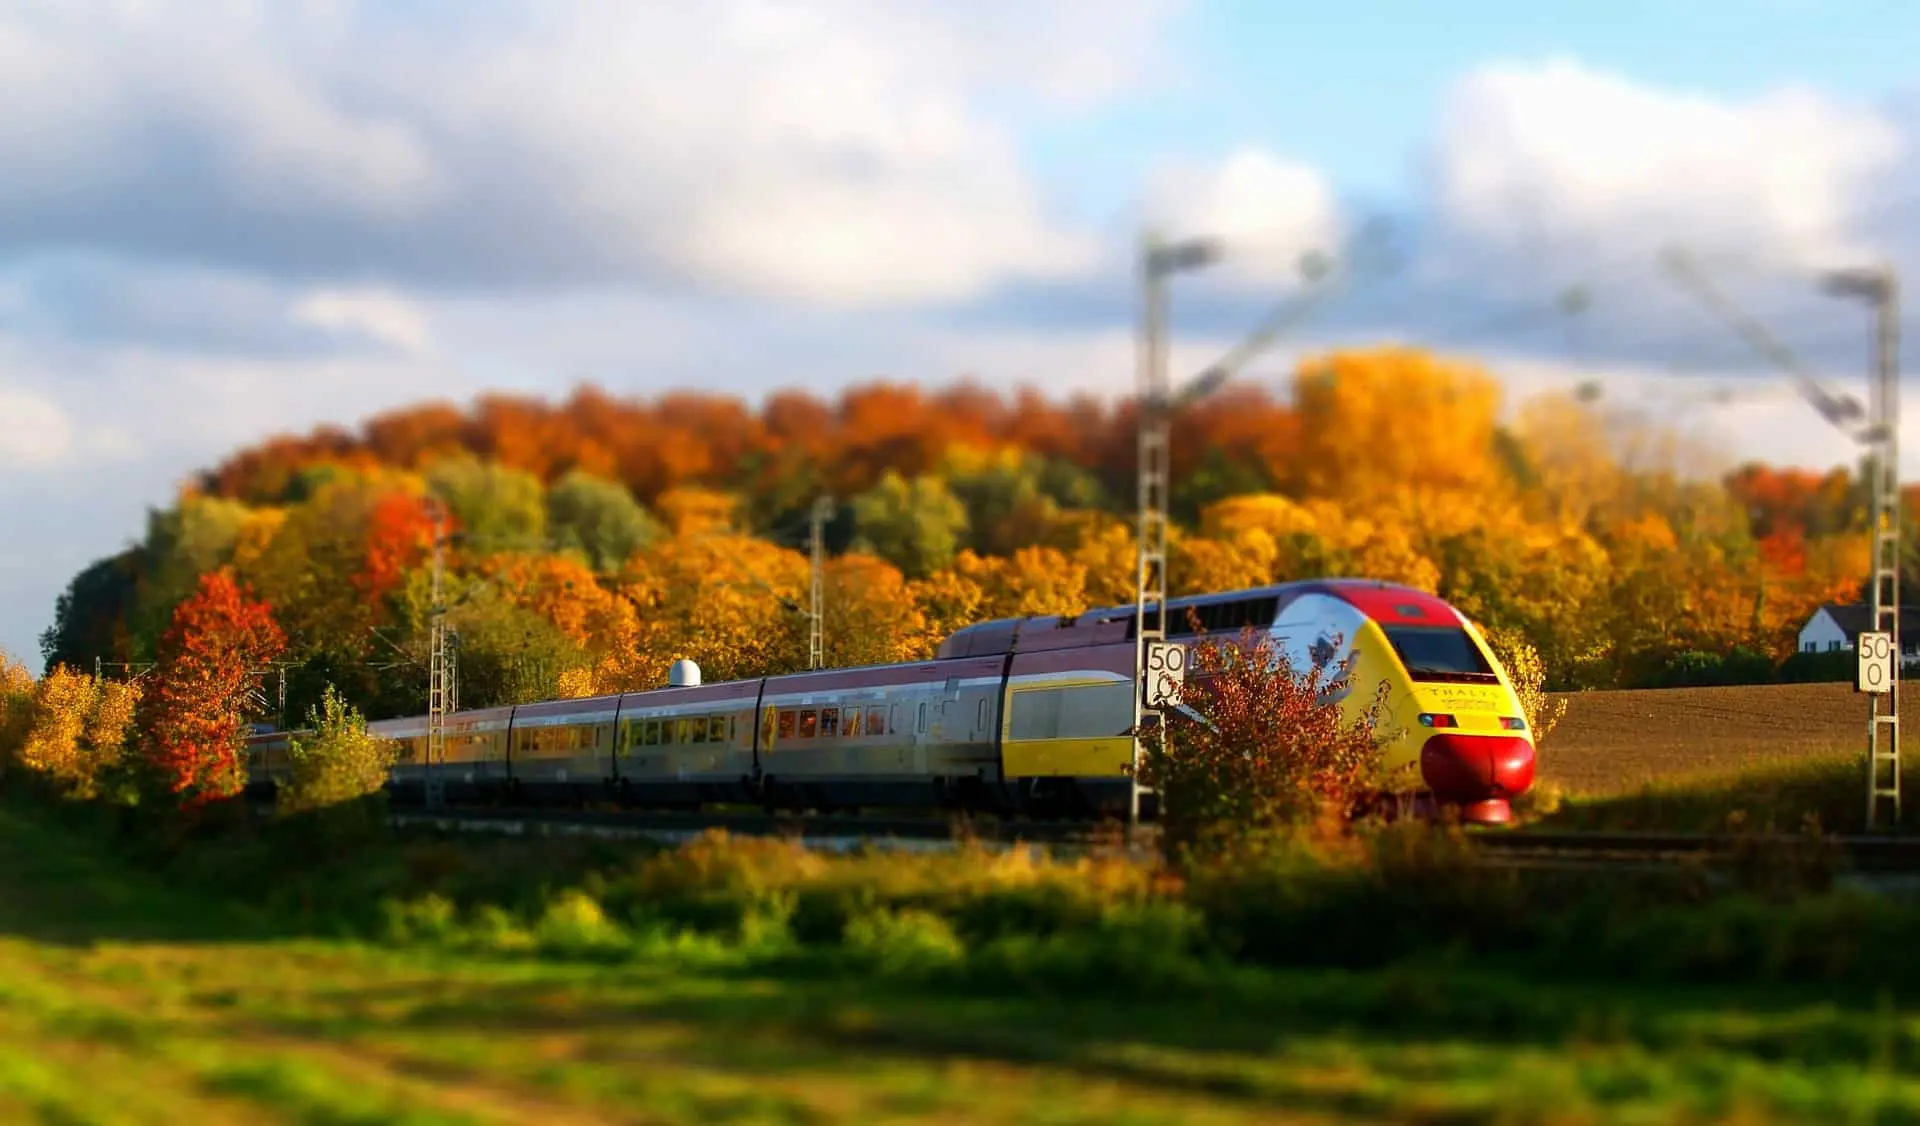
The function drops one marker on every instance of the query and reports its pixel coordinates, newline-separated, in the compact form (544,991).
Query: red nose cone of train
(1479,773)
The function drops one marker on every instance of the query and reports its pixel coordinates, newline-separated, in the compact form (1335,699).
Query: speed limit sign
(1876,669)
(1166,673)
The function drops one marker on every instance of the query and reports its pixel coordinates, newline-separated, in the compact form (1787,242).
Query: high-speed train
(1015,716)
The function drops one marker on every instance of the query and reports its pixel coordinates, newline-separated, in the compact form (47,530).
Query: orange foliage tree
(399,535)
(190,717)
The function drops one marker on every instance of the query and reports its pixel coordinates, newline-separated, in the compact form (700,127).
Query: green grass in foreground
(121,1001)
(1769,795)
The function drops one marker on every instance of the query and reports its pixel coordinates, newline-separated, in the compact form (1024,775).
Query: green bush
(338,763)
(1697,669)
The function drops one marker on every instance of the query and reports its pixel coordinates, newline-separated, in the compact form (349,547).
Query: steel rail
(1879,853)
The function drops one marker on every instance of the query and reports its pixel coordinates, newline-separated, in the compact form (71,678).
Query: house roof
(1854,617)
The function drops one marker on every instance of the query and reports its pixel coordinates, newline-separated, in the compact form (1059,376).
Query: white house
(1835,627)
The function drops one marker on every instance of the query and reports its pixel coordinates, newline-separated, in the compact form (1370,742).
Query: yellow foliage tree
(16,708)
(689,510)
(72,728)
(1202,564)
(870,615)
(730,603)
(1371,420)
(1106,550)
(946,601)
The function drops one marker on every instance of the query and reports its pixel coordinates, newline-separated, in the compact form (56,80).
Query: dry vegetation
(1610,742)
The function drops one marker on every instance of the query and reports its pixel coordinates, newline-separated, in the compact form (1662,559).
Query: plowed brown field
(1612,741)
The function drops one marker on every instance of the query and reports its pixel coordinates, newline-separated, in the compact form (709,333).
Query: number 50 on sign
(1166,673)
(1876,669)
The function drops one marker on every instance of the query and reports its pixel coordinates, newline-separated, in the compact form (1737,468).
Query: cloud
(834,152)
(1268,212)
(236,218)
(34,430)
(1546,198)
(90,301)
(385,317)
(1559,156)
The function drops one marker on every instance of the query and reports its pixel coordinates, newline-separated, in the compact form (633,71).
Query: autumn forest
(599,538)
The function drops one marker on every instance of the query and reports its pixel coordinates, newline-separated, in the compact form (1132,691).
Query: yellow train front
(1454,734)
(1452,718)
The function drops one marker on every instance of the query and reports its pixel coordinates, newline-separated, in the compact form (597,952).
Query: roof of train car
(1391,603)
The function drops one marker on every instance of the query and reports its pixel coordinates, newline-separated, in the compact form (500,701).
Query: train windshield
(1439,653)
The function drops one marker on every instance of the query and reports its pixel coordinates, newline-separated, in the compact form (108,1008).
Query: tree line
(597,539)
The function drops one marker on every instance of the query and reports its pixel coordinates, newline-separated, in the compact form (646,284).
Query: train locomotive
(1019,716)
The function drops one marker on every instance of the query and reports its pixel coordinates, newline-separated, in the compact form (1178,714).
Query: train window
(1096,711)
(809,723)
(787,717)
(1440,653)
(920,725)
(1036,714)
(876,721)
(980,716)
(851,724)
(829,722)
(651,736)
(682,731)
(895,724)
(716,729)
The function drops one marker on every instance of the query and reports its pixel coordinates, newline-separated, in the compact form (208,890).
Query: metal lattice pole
(1883,723)
(816,640)
(1880,436)
(1150,572)
(437,667)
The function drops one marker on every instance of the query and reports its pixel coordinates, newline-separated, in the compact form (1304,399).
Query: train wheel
(1384,808)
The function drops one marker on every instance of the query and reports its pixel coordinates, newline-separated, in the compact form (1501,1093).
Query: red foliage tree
(399,536)
(1271,747)
(190,717)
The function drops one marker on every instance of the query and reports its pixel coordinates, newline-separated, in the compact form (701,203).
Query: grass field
(123,1001)
(1615,741)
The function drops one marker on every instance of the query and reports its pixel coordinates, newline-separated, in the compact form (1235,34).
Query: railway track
(1880,855)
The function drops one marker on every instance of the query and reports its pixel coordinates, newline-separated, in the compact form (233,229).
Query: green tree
(91,618)
(338,761)
(1015,500)
(600,519)
(917,526)
(498,508)
(182,543)
(509,654)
